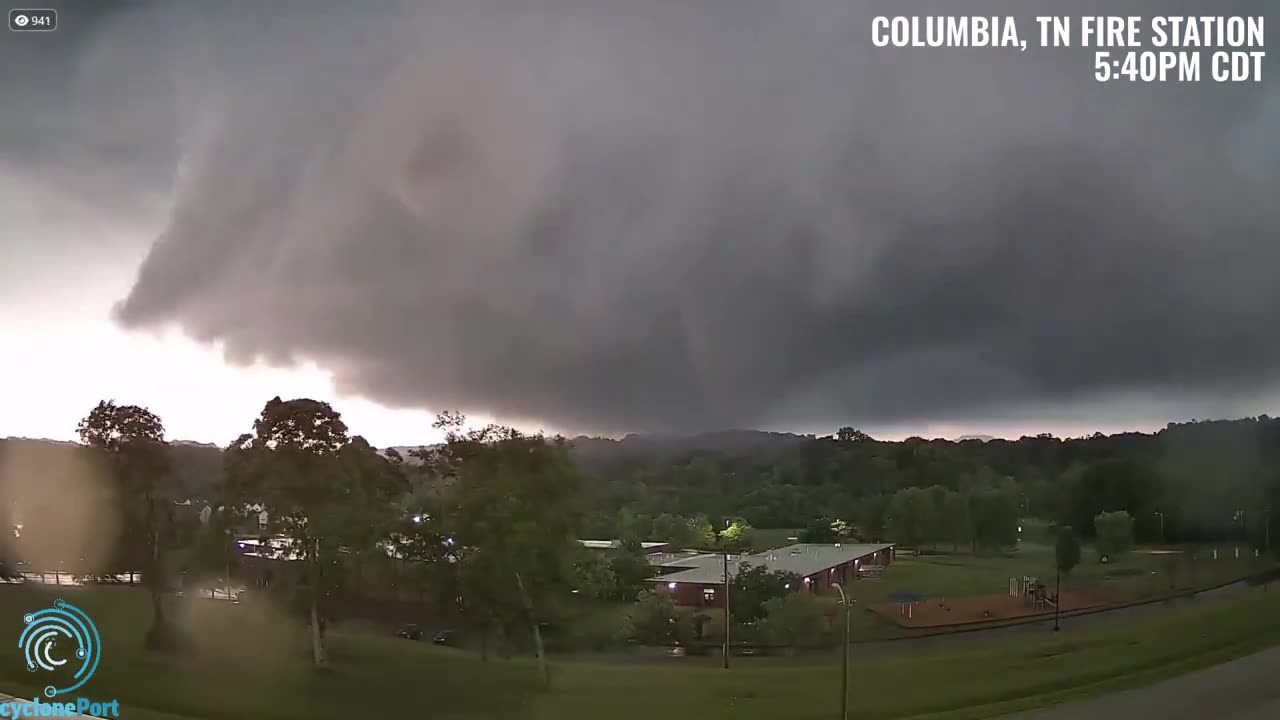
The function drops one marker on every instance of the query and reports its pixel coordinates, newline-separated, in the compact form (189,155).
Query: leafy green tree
(593,576)
(701,534)
(754,585)
(132,438)
(630,570)
(323,490)
(737,536)
(819,530)
(513,506)
(908,517)
(871,517)
(1066,550)
(848,434)
(957,519)
(995,519)
(935,515)
(1114,533)
(795,619)
(655,620)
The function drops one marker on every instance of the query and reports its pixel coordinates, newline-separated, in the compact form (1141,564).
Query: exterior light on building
(787,586)
(671,586)
(806,581)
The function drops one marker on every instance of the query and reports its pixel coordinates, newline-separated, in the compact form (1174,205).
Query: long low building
(697,580)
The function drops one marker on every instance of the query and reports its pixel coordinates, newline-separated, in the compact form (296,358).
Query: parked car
(410,632)
(448,638)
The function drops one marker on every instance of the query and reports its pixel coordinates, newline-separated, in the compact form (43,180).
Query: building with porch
(697,580)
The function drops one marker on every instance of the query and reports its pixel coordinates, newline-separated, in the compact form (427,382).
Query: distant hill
(198,465)
(979,438)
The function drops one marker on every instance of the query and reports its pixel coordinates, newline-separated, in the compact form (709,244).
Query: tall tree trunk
(543,670)
(154,577)
(318,655)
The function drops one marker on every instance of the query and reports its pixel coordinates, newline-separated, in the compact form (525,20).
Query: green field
(1140,575)
(253,663)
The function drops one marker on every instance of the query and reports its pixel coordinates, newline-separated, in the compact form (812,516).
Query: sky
(609,217)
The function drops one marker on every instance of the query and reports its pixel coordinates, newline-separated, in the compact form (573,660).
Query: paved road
(1243,689)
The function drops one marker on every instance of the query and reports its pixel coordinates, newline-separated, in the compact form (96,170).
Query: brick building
(697,580)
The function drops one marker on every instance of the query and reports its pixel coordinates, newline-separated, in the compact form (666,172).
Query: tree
(630,570)
(655,620)
(796,619)
(593,576)
(754,585)
(908,517)
(1114,533)
(819,530)
(737,536)
(132,438)
(934,514)
(848,434)
(513,507)
(1066,550)
(995,519)
(957,519)
(871,517)
(323,490)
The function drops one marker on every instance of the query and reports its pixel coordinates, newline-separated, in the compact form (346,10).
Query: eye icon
(21,20)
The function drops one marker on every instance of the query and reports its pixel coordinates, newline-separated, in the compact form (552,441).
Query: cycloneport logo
(61,639)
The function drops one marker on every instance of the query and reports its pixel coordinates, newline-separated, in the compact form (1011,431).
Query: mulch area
(941,612)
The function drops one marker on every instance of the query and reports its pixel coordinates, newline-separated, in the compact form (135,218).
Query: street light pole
(726,609)
(844,657)
(1162,540)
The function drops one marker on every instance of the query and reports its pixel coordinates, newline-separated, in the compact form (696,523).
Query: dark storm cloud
(84,110)
(623,216)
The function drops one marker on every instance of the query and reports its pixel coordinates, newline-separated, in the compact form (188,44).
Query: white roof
(804,559)
(611,544)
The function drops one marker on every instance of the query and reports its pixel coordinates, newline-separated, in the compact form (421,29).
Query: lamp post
(844,656)
(1162,540)
(726,609)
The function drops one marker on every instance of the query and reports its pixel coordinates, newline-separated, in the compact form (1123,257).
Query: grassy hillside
(252,662)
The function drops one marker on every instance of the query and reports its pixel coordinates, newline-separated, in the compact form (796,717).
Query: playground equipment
(1032,591)
(906,603)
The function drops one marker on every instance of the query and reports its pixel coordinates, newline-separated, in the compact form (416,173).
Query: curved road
(1242,689)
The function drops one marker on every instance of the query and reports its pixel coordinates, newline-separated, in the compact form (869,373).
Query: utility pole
(1057,600)
(1266,529)
(726,609)
(844,657)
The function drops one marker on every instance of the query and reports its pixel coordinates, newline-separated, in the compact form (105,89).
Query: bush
(655,620)
(798,619)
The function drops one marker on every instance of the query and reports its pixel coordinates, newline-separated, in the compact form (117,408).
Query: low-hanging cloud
(628,216)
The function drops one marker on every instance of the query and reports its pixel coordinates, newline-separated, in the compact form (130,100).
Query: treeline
(1196,481)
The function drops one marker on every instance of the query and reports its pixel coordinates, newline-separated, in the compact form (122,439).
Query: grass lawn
(252,662)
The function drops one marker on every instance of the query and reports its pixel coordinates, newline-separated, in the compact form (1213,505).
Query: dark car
(410,632)
(447,638)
